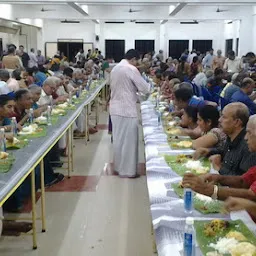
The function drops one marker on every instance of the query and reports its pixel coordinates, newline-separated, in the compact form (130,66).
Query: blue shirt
(196,102)
(230,91)
(207,61)
(240,96)
(35,106)
(6,121)
(40,77)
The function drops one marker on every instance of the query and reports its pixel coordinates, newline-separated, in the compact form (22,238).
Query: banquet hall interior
(94,212)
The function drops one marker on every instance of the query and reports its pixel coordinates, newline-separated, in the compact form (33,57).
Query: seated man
(243,186)
(4,76)
(184,97)
(242,95)
(36,91)
(24,102)
(234,158)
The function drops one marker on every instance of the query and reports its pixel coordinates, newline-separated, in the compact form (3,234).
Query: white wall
(201,31)
(54,30)
(129,32)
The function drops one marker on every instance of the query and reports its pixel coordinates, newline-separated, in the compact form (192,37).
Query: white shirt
(33,60)
(4,89)
(233,66)
(125,82)
(191,57)
(44,99)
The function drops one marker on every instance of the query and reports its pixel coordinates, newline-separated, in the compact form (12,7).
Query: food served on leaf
(41,120)
(3,155)
(57,111)
(202,203)
(214,227)
(196,165)
(15,143)
(182,163)
(182,144)
(33,128)
(173,131)
(65,105)
(227,238)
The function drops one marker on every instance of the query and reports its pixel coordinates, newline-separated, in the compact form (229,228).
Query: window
(177,47)
(229,45)
(144,46)
(115,49)
(202,45)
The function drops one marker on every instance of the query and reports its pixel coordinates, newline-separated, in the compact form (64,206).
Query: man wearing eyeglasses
(48,89)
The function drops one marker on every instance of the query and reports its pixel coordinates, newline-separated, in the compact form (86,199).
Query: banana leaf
(204,241)
(6,164)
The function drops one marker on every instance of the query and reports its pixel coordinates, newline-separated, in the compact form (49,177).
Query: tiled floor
(93,213)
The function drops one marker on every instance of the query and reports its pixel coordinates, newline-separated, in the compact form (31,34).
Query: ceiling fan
(133,10)
(220,10)
(47,10)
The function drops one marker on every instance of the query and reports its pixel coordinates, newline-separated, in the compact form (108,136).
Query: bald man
(243,186)
(234,158)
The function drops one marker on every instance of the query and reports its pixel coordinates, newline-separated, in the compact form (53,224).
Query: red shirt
(250,178)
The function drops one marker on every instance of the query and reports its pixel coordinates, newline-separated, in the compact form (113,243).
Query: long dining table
(167,209)
(32,155)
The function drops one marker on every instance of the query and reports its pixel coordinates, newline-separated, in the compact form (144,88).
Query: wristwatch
(215,192)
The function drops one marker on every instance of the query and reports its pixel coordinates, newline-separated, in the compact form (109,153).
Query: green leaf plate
(205,208)
(37,134)
(204,241)
(6,164)
(21,144)
(179,168)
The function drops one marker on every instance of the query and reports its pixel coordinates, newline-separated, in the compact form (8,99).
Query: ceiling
(145,10)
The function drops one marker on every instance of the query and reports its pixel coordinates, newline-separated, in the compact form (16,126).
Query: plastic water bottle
(70,97)
(2,140)
(49,119)
(188,199)
(189,238)
(171,106)
(80,90)
(31,116)
(14,126)
(159,115)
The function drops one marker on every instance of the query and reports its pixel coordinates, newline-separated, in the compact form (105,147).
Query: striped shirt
(236,157)
(125,82)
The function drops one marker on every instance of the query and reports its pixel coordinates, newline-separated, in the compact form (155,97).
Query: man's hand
(238,204)
(19,126)
(201,152)
(197,184)
(210,178)
(62,98)
(9,137)
(216,162)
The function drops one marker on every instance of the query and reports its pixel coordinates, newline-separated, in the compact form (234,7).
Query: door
(177,47)
(144,46)
(70,48)
(202,45)
(1,48)
(115,49)
(229,45)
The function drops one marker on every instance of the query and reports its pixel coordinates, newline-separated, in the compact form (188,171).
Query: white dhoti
(125,143)
(80,121)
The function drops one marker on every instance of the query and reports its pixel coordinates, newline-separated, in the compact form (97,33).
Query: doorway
(177,47)
(115,49)
(229,46)
(70,48)
(202,45)
(1,48)
(144,46)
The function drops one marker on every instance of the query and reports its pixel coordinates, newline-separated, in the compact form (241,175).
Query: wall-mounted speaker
(97,38)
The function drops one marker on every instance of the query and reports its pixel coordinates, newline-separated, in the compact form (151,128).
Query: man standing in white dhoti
(125,82)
